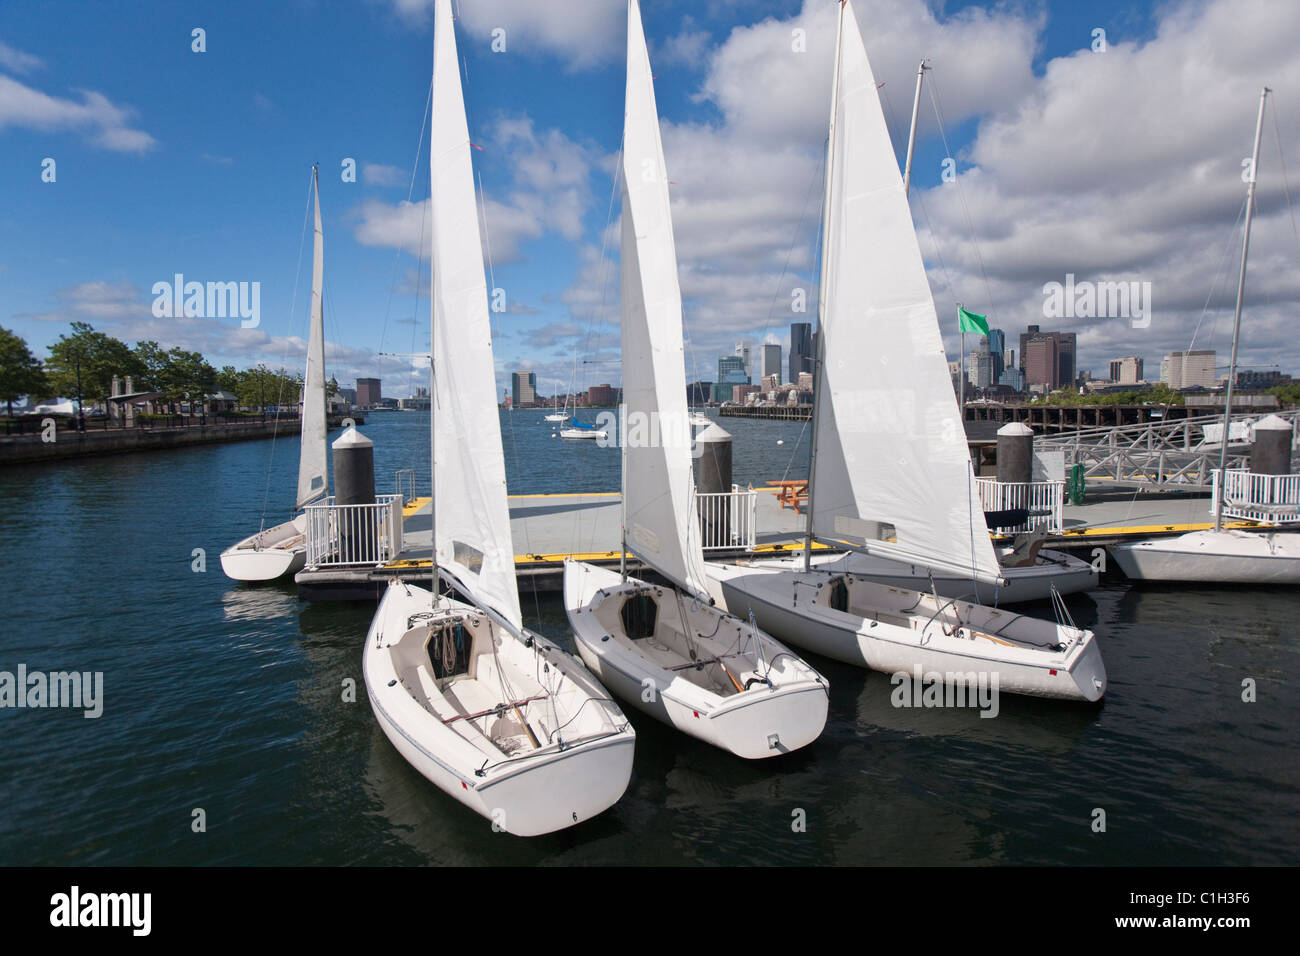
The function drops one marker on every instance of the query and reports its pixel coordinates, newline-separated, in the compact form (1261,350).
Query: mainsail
(471,517)
(893,473)
(313,468)
(662,527)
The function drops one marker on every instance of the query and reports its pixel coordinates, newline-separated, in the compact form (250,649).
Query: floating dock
(547,529)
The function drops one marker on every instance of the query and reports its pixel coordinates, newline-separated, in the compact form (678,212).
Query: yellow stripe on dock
(1139,530)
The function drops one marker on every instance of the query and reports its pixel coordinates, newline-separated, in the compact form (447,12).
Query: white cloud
(375,174)
(16,61)
(549,194)
(106,124)
(581,33)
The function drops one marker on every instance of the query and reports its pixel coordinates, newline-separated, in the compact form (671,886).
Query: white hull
(557,418)
(581,433)
(1214,557)
(763,720)
(269,554)
(583,760)
(1051,569)
(895,630)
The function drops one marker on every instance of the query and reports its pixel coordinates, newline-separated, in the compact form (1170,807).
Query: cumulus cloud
(582,33)
(549,193)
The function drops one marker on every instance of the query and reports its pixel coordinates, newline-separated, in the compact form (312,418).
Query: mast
(1236,320)
(433,351)
(622,490)
(819,359)
(911,139)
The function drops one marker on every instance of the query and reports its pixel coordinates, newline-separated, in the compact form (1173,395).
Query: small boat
(493,714)
(1220,555)
(891,475)
(700,420)
(667,649)
(1034,579)
(275,552)
(1226,556)
(581,430)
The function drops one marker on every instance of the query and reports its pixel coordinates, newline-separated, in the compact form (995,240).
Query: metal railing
(728,519)
(340,535)
(1272,499)
(1044,500)
(1183,453)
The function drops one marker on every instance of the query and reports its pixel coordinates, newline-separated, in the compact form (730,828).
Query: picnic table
(791,493)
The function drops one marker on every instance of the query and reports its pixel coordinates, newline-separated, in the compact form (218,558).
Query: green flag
(970,322)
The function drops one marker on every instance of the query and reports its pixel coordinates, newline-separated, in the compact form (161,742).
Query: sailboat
(667,649)
(891,474)
(275,552)
(494,715)
(559,416)
(1220,555)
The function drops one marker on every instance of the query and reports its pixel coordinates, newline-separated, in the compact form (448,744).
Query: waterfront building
(1051,365)
(1189,369)
(1126,371)
(772,362)
(523,390)
(603,395)
(368,393)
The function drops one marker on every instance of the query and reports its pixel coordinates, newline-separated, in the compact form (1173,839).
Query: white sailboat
(560,416)
(1220,555)
(493,714)
(667,649)
(275,552)
(891,473)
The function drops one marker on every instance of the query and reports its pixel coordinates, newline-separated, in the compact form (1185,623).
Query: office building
(523,389)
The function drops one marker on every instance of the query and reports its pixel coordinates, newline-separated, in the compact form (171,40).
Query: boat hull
(792,606)
(1052,569)
(763,721)
(269,554)
(1213,557)
(529,795)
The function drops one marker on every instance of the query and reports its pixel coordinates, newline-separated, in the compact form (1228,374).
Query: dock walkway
(547,529)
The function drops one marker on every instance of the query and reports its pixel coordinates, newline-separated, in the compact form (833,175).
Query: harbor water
(228,733)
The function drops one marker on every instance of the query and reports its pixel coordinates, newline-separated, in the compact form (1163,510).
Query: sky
(1045,149)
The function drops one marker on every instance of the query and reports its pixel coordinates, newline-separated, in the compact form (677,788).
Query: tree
(84,363)
(20,371)
(228,378)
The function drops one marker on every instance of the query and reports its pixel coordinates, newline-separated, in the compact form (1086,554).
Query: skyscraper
(1035,364)
(772,362)
(523,391)
(996,343)
(801,349)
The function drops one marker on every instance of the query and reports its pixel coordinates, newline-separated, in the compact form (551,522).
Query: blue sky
(172,161)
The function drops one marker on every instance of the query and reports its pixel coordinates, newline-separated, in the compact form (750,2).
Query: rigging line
(293,307)
(1286,187)
(392,279)
(1228,243)
(961,194)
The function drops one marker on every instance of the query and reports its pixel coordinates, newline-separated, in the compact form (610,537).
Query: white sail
(662,526)
(471,517)
(313,467)
(893,474)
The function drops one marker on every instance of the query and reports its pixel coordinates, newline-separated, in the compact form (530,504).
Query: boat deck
(547,529)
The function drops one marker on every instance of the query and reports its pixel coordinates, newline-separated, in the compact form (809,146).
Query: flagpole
(961,359)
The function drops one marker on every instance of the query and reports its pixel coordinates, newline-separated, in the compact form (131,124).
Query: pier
(548,529)
(63,441)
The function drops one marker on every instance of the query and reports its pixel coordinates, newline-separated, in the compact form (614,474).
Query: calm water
(228,698)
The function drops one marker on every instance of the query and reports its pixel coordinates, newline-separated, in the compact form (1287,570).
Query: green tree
(228,378)
(84,363)
(20,371)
